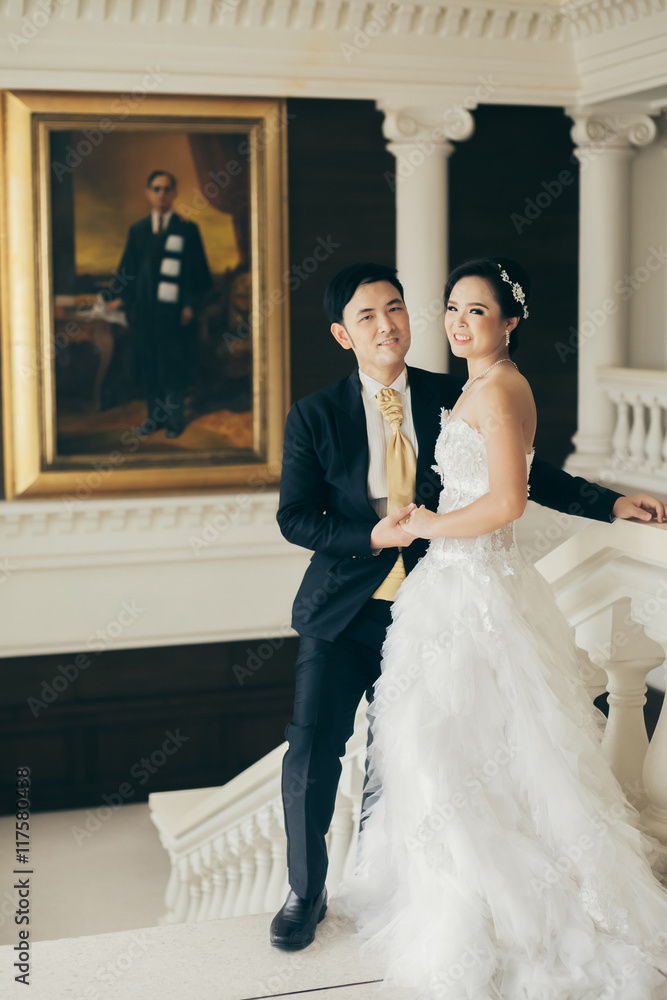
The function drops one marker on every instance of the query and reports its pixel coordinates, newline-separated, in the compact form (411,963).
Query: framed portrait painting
(144,307)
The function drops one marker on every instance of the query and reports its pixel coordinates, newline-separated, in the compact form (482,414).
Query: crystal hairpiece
(517,290)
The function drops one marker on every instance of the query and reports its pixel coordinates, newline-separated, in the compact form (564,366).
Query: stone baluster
(621,439)
(618,644)
(275,832)
(638,432)
(195,901)
(262,848)
(195,886)
(231,862)
(340,834)
(654,436)
(663,451)
(171,892)
(218,879)
(243,837)
(206,862)
(356,791)
(183,897)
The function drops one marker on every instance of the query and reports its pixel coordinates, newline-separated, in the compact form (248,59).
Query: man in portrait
(165,275)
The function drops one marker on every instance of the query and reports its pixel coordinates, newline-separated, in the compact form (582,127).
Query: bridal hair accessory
(517,290)
(485,372)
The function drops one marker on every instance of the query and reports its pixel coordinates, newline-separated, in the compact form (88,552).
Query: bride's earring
(507,338)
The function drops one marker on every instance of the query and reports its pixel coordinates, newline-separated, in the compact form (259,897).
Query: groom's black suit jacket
(324,495)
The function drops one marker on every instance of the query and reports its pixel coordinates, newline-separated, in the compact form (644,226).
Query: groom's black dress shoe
(294,925)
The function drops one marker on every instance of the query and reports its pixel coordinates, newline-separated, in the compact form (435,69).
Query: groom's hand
(640,505)
(388,533)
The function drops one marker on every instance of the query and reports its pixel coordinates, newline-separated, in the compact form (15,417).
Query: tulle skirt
(499,858)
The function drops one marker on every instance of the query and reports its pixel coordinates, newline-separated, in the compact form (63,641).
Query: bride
(499,858)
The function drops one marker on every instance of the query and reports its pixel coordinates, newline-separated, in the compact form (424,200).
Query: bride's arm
(501,423)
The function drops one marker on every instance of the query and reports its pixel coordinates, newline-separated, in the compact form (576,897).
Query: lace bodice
(460,454)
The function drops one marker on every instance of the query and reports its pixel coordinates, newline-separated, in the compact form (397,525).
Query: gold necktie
(401,477)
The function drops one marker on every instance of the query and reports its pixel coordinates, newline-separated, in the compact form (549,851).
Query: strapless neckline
(448,413)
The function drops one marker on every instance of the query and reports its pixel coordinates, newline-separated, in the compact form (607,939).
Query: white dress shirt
(166,216)
(380,432)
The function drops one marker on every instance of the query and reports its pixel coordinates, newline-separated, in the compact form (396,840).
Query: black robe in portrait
(161,274)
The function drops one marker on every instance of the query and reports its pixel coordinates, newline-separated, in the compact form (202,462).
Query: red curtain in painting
(224,179)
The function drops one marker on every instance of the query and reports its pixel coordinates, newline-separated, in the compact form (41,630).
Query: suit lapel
(426,418)
(350,418)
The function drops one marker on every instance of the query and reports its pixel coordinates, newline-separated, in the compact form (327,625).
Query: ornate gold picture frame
(144,347)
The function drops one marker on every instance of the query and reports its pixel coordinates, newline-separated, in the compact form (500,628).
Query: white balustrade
(228,854)
(638,456)
(227,845)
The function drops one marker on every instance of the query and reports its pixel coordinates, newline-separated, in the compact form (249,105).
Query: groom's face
(376,326)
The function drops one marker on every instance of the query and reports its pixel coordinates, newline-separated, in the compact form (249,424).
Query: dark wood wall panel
(216,716)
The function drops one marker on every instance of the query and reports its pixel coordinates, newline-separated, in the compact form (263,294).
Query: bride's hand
(422,523)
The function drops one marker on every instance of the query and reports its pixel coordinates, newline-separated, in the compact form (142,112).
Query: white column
(419,139)
(605,144)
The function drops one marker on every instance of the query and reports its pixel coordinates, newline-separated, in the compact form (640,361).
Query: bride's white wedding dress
(500,859)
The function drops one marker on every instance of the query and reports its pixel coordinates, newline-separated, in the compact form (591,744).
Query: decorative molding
(205,568)
(591,17)
(610,129)
(551,53)
(140,515)
(417,126)
(553,20)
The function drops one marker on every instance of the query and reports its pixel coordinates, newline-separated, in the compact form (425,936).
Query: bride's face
(475,327)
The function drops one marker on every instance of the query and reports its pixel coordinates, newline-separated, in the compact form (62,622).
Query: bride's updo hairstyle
(490,269)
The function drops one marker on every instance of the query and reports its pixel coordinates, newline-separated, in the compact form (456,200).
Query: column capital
(610,129)
(432,124)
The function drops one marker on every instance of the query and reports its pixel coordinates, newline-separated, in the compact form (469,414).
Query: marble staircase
(228,959)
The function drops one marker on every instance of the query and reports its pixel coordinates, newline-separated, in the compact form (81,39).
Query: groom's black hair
(343,285)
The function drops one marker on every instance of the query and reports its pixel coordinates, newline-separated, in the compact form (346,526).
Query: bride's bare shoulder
(508,391)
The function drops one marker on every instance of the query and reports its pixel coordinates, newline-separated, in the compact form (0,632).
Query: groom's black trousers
(331,678)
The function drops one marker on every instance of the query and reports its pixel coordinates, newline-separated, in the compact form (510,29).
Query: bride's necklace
(485,372)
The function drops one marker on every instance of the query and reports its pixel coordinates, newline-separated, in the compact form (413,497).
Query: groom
(349,449)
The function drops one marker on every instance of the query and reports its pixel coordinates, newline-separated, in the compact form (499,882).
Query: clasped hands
(410,522)
(417,522)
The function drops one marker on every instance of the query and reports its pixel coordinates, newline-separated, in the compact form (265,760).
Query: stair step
(214,960)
